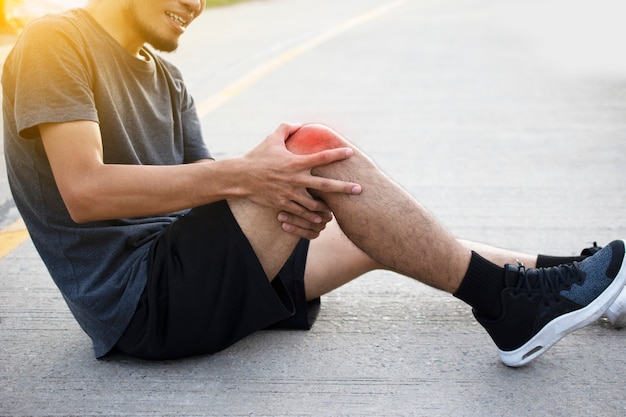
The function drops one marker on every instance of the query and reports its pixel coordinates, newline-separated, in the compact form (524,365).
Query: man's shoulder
(53,37)
(48,24)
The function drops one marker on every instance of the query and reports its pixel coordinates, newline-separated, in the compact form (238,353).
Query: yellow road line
(218,99)
(15,234)
(12,236)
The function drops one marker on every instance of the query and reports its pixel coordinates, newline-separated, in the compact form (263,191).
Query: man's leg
(334,259)
(524,311)
(389,225)
(348,257)
(391,230)
(395,231)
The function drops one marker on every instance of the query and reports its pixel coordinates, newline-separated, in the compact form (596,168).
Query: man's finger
(328,185)
(303,233)
(327,157)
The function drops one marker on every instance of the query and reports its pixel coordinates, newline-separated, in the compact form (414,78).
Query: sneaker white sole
(616,313)
(565,324)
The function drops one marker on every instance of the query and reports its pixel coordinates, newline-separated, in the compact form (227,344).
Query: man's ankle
(482,286)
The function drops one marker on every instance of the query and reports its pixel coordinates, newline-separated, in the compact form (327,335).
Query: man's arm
(269,175)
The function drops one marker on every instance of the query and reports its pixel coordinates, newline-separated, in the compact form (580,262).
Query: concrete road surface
(506,118)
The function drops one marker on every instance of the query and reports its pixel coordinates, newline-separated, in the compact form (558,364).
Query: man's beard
(152,36)
(159,43)
(164,46)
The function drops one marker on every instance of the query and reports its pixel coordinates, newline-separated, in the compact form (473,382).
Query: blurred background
(574,35)
(14,13)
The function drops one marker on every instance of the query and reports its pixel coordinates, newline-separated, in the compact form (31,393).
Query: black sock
(481,287)
(544,261)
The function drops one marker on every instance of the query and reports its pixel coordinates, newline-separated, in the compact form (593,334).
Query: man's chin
(164,46)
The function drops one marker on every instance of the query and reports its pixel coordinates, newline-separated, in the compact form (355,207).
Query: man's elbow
(79,217)
(81,206)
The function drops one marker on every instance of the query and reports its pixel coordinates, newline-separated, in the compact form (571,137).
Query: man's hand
(280,179)
(302,227)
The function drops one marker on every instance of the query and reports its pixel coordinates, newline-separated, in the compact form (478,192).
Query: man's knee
(312,138)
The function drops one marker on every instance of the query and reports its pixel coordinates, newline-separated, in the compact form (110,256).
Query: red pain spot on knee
(313,138)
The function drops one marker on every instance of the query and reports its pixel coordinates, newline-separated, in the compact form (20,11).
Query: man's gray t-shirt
(67,68)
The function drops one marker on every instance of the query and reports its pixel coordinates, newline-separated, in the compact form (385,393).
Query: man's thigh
(271,244)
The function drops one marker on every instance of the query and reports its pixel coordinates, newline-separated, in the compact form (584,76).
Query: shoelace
(549,281)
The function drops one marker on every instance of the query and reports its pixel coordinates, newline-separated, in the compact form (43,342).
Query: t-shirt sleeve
(195,147)
(53,67)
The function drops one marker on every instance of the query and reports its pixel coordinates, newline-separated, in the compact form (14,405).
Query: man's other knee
(312,138)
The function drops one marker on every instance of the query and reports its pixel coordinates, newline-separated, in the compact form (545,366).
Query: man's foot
(542,305)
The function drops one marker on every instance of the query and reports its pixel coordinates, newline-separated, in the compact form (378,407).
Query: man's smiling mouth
(182,22)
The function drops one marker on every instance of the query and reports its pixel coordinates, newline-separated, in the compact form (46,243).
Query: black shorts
(206,290)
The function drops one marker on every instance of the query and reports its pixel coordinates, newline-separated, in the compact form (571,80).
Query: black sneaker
(542,305)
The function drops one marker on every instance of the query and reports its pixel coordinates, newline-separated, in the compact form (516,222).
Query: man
(162,252)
